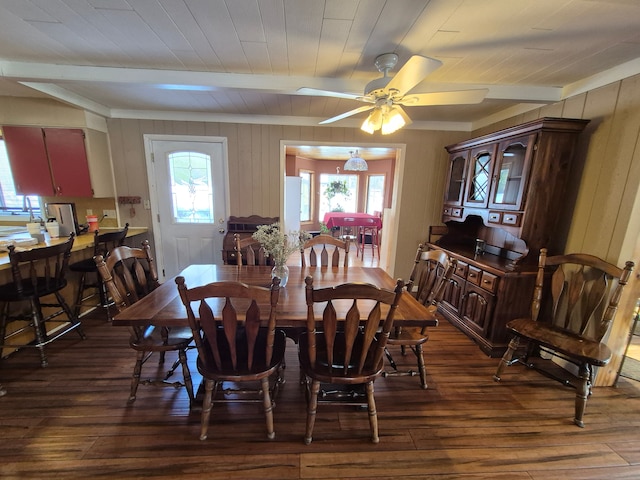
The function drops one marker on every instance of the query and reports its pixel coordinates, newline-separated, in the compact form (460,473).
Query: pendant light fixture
(356,163)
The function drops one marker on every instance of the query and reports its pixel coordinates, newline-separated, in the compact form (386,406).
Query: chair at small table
(103,243)
(235,347)
(372,231)
(129,274)
(347,352)
(319,254)
(431,272)
(38,273)
(250,250)
(570,317)
(349,229)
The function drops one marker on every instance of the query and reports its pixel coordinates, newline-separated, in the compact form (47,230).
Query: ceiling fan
(386,95)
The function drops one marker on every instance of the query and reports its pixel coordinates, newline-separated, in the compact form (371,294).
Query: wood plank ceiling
(244,60)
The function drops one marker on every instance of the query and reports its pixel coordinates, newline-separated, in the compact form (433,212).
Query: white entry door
(188,185)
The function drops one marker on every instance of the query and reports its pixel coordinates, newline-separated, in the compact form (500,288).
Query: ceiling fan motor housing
(376,88)
(383,63)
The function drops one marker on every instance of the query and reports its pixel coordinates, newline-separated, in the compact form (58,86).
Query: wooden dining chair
(250,251)
(233,345)
(347,351)
(130,274)
(315,249)
(38,277)
(574,302)
(432,270)
(103,243)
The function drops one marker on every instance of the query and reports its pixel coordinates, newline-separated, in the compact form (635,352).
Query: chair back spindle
(320,256)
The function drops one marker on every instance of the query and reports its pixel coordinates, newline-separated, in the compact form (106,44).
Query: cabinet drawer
(452,212)
(511,219)
(495,217)
(474,274)
(489,282)
(461,269)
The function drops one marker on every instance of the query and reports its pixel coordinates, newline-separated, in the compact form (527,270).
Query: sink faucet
(26,203)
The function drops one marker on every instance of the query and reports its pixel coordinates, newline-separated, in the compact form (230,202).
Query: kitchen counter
(81,242)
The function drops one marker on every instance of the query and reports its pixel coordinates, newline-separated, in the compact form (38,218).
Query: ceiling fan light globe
(392,122)
(367,126)
(373,121)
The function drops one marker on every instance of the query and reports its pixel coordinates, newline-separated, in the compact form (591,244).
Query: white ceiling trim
(66,96)
(174,79)
(532,97)
(615,74)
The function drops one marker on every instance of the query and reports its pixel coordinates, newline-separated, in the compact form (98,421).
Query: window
(191,187)
(306,199)
(12,203)
(339,193)
(375,193)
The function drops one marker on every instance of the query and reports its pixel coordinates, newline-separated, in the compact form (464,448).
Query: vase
(282,272)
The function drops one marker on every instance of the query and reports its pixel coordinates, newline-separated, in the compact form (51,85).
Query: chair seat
(87,265)
(580,348)
(321,371)
(9,292)
(152,340)
(407,336)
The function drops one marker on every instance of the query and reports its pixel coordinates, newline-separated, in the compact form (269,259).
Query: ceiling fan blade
(412,73)
(347,114)
(456,97)
(327,93)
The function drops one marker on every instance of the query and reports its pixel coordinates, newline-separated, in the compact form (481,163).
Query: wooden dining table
(163,306)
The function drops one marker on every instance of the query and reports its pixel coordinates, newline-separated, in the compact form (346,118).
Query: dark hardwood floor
(71,420)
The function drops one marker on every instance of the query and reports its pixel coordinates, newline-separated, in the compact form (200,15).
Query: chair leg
(507,358)
(373,414)
(312,408)
(206,408)
(135,379)
(104,298)
(39,330)
(421,366)
(72,317)
(3,325)
(268,408)
(582,393)
(186,375)
(78,304)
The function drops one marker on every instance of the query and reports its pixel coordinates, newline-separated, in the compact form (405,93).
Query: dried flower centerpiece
(279,246)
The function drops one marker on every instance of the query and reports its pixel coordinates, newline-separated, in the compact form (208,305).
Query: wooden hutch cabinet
(507,189)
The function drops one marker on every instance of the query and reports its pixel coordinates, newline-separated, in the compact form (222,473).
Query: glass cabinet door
(455,181)
(511,173)
(480,176)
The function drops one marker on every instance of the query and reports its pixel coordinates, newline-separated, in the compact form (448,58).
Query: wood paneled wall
(254,169)
(605,221)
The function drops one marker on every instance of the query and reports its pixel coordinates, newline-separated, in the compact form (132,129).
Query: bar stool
(103,243)
(38,273)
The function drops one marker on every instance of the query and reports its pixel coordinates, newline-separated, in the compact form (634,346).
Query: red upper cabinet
(68,160)
(49,161)
(28,155)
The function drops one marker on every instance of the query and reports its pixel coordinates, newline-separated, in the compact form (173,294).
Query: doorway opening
(319,163)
